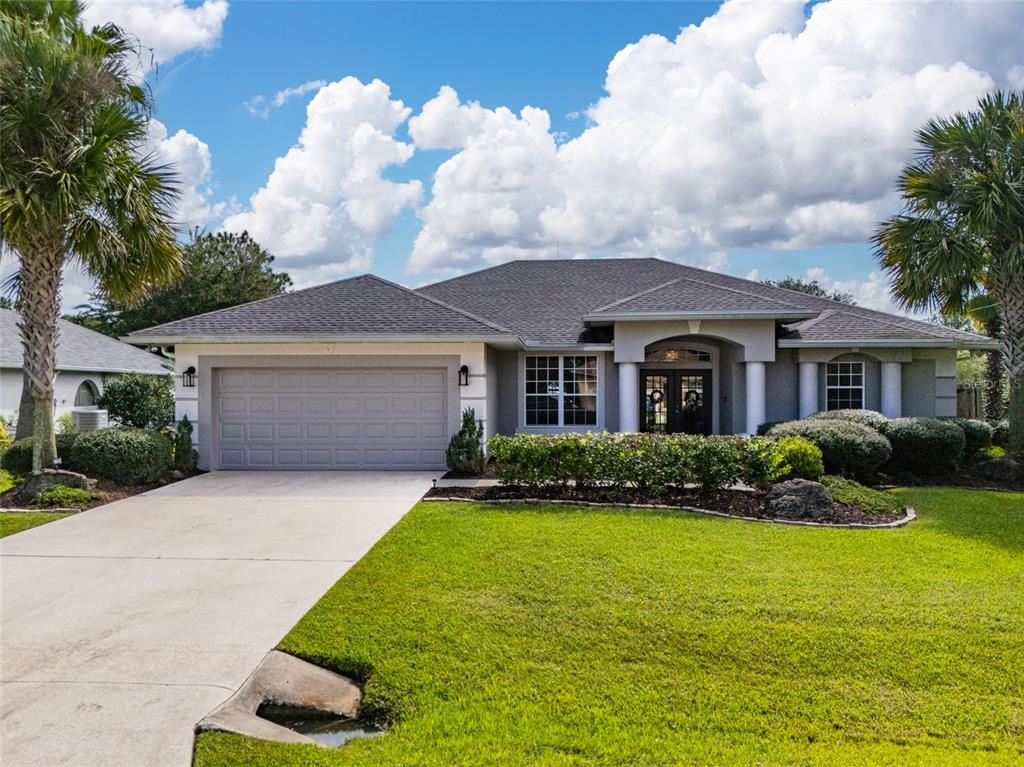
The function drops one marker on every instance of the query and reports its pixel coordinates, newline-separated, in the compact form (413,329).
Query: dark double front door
(673,401)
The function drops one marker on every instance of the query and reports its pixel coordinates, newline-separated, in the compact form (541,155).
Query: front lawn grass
(493,635)
(12,522)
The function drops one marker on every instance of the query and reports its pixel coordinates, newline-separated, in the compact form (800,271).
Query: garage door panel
(323,418)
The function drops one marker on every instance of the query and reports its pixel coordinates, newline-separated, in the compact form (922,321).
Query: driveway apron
(124,625)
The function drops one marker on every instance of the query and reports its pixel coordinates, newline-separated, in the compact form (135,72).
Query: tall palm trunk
(25,408)
(994,371)
(1009,292)
(39,309)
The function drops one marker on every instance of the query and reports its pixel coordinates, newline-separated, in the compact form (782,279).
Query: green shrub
(717,462)
(65,424)
(64,497)
(925,445)
(994,452)
(977,434)
(128,456)
(762,462)
(17,459)
(847,447)
(871,418)
(852,493)
(1000,432)
(5,438)
(140,401)
(185,456)
(465,452)
(764,428)
(800,457)
(6,480)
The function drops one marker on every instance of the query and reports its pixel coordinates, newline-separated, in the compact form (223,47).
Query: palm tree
(983,311)
(74,185)
(961,232)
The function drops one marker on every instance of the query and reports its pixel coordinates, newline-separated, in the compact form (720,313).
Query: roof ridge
(442,304)
(741,292)
(636,295)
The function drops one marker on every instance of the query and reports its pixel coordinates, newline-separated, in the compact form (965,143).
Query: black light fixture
(188,377)
(464,375)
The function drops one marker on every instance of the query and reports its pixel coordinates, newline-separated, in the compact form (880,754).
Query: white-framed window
(844,385)
(561,390)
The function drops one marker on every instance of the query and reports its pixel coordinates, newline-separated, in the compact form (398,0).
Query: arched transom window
(678,355)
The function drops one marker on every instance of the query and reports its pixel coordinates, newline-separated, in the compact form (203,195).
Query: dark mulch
(736,503)
(967,477)
(109,490)
(488,473)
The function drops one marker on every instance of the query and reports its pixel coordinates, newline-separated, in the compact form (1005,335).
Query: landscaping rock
(1003,469)
(799,499)
(39,481)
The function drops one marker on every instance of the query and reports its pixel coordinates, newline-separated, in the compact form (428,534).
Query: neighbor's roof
(362,307)
(548,301)
(79,348)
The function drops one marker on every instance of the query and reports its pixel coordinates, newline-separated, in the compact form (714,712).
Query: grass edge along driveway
(490,635)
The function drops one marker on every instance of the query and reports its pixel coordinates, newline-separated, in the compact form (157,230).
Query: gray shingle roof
(546,301)
(365,305)
(79,348)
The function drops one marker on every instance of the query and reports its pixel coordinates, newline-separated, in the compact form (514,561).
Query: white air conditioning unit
(88,418)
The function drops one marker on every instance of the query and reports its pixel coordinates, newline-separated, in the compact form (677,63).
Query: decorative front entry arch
(677,388)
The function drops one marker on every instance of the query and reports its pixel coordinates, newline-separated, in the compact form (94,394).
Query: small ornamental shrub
(65,424)
(17,459)
(847,448)
(1000,432)
(994,452)
(716,462)
(925,445)
(871,418)
(762,462)
(465,453)
(185,456)
(800,457)
(5,438)
(64,497)
(764,428)
(140,401)
(127,456)
(977,434)
(852,493)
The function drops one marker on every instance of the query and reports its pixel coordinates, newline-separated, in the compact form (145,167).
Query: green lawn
(551,636)
(15,522)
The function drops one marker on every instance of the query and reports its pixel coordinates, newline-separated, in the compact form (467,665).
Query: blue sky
(759,139)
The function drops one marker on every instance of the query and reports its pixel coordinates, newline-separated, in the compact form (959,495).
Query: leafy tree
(813,288)
(74,185)
(220,270)
(142,401)
(961,231)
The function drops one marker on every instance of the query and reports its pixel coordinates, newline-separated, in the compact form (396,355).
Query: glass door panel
(655,403)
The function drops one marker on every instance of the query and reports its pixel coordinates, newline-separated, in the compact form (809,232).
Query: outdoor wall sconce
(188,377)
(464,375)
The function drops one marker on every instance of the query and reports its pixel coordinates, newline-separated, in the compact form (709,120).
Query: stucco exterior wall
(782,379)
(189,401)
(756,337)
(65,388)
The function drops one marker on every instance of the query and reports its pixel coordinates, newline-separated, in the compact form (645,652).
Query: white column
(892,389)
(755,396)
(808,388)
(629,397)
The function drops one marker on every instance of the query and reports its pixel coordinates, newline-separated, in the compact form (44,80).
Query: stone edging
(48,511)
(907,518)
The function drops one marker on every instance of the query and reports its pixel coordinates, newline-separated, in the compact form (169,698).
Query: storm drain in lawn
(325,728)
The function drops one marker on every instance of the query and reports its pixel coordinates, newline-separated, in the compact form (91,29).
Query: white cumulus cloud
(767,125)
(168,28)
(326,202)
(193,167)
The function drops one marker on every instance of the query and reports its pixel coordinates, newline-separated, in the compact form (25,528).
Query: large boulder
(1003,469)
(39,481)
(799,499)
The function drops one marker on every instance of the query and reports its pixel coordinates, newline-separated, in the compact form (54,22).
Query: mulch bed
(110,491)
(735,503)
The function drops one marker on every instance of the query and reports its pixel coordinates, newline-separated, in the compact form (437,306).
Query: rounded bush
(1000,433)
(17,459)
(871,418)
(925,445)
(847,447)
(142,401)
(801,457)
(977,433)
(64,497)
(128,456)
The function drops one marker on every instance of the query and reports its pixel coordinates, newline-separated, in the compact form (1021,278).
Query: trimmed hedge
(17,459)
(977,433)
(871,418)
(128,456)
(651,463)
(925,445)
(847,448)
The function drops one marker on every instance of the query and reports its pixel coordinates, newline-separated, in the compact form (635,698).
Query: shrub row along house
(364,373)
(86,360)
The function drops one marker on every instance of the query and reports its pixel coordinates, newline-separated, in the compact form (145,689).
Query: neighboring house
(364,373)
(85,361)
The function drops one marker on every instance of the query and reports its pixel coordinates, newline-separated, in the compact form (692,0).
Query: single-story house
(364,373)
(86,360)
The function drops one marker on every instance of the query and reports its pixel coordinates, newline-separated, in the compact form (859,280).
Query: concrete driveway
(125,625)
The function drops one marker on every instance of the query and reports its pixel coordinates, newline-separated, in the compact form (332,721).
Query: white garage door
(331,418)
